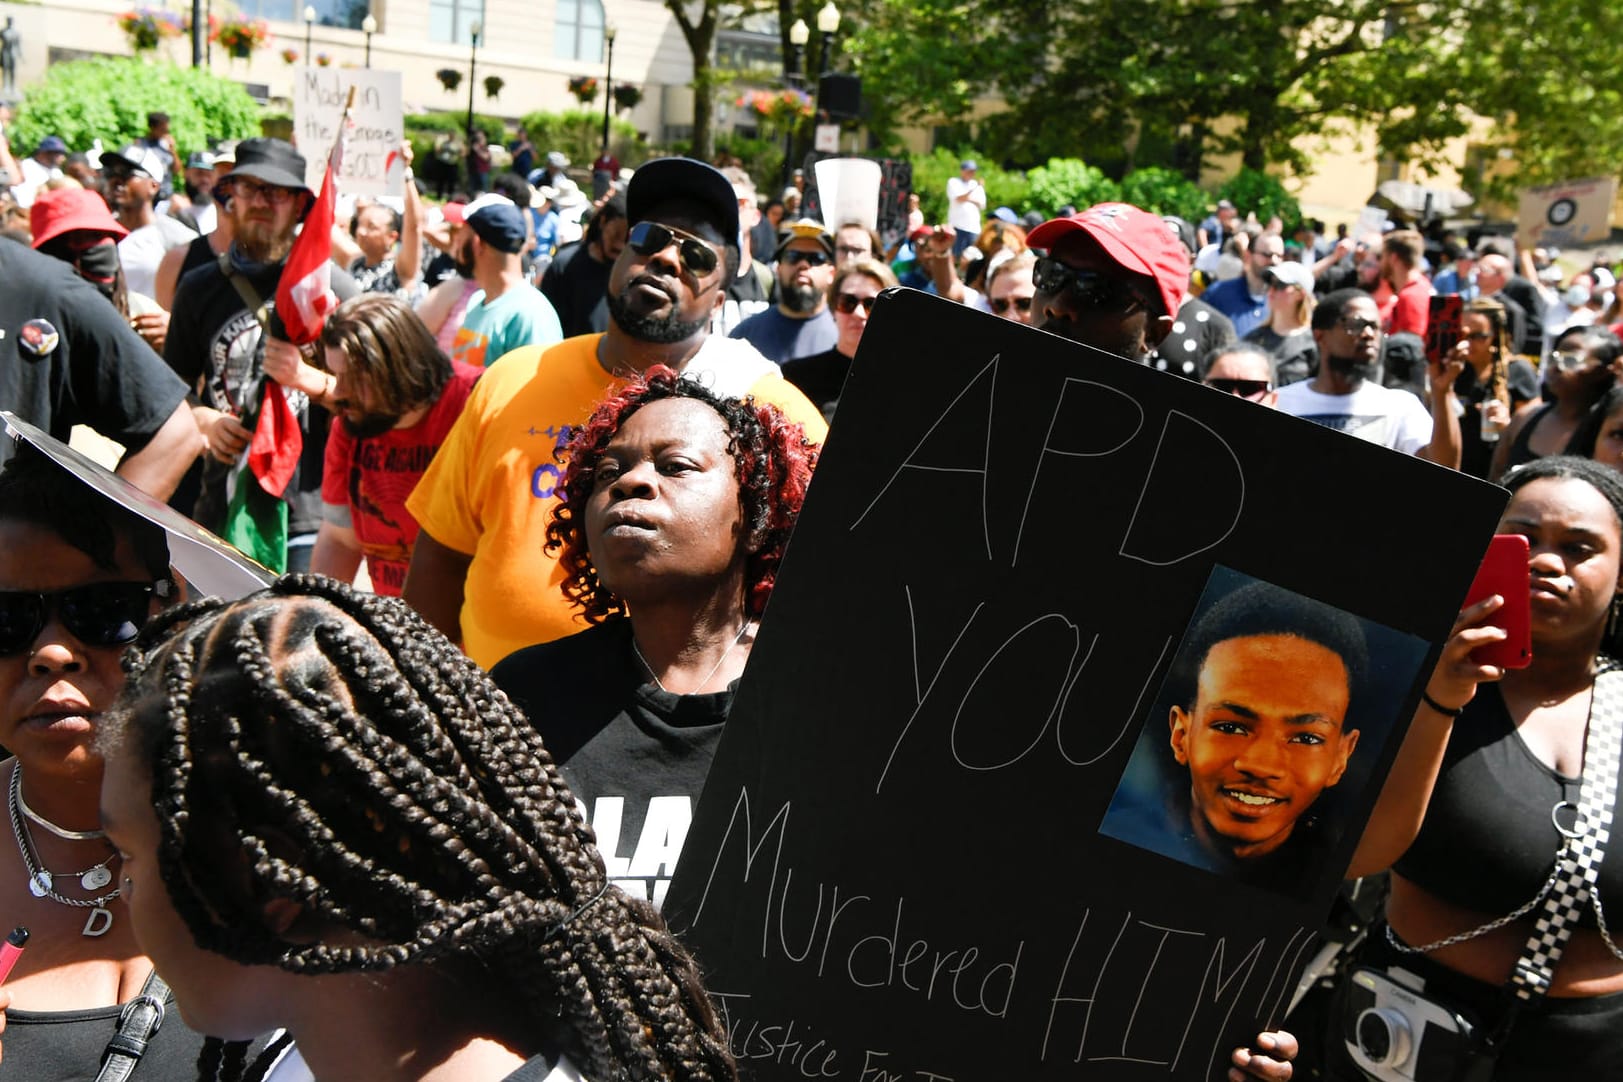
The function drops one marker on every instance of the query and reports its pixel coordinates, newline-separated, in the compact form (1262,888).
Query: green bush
(1165,191)
(109,98)
(762,158)
(579,134)
(931,173)
(423,128)
(1069,181)
(1258,193)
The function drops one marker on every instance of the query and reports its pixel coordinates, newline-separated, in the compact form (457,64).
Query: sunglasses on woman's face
(1001,305)
(1245,388)
(1571,361)
(99,614)
(649,238)
(846,303)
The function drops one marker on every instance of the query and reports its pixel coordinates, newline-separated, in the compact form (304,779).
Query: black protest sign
(983,624)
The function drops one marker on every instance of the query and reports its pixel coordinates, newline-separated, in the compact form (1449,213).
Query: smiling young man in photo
(1263,733)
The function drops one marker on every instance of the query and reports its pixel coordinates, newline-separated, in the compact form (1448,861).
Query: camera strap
(1577,873)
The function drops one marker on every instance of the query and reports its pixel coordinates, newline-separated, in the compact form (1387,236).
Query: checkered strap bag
(1578,863)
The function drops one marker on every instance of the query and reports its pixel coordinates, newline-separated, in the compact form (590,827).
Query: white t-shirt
(965,216)
(34,175)
(142,251)
(1380,415)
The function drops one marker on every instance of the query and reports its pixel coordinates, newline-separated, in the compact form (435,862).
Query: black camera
(1394,1033)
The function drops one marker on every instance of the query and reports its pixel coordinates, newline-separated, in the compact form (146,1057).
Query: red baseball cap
(455,213)
(63,210)
(1135,239)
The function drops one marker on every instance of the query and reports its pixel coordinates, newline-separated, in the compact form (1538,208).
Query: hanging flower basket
(493,86)
(450,78)
(241,36)
(777,107)
(584,88)
(290,56)
(323,60)
(627,97)
(146,27)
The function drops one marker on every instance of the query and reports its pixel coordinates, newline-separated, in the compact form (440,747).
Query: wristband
(1425,697)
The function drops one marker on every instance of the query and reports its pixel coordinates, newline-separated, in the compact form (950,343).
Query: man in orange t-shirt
(479,572)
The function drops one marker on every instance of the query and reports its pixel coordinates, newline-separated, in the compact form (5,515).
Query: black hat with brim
(272,161)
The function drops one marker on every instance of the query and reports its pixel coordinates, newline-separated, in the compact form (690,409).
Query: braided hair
(318,744)
(774,462)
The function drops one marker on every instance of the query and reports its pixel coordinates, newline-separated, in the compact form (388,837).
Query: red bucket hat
(66,209)
(1135,239)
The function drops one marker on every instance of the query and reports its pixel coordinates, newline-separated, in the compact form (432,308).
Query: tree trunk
(704,101)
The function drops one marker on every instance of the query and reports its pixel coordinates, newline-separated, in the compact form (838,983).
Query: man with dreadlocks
(385,861)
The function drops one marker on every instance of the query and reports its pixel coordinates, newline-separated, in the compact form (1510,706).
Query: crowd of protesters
(564,437)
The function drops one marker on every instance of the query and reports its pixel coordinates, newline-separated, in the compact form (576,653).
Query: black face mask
(99,266)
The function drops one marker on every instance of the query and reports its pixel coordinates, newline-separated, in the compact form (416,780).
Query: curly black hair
(775,463)
(318,744)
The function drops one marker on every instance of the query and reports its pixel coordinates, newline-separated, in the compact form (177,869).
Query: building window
(343,13)
(578,33)
(452,21)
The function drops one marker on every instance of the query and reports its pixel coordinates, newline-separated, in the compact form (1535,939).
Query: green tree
(109,98)
(1122,86)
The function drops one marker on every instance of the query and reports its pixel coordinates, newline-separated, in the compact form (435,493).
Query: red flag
(304,296)
(273,453)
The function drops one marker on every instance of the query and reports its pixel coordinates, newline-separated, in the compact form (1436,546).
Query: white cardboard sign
(372,162)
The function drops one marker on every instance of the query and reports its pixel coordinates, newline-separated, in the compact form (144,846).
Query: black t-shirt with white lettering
(635,756)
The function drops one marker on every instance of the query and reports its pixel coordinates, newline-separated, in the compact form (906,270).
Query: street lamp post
(828,21)
(309,22)
(799,34)
(369,26)
(473,63)
(608,86)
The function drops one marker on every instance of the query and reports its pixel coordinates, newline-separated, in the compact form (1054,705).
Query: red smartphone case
(1504,572)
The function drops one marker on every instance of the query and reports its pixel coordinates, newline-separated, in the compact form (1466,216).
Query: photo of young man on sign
(1256,726)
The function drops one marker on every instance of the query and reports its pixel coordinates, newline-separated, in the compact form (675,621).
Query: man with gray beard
(799,325)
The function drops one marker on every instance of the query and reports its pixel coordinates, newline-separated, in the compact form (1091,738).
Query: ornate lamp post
(369,26)
(799,34)
(309,22)
(608,86)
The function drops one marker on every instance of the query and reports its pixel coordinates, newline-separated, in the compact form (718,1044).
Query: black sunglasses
(100,614)
(815,259)
(1245,388)
(1001,304)
(647,238)
(846,303)
(1091,289)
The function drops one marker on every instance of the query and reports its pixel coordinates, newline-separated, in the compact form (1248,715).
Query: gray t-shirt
(781,338)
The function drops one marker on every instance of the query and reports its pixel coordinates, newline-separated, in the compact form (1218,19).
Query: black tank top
(1521,448)
(1488,842)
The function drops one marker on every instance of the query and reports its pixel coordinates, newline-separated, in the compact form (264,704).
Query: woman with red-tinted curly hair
(676,506)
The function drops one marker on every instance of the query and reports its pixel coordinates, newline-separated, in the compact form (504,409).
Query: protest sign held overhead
(372,162)
(1568,214)
(993,844)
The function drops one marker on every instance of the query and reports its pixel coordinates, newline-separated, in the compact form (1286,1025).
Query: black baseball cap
(665,179)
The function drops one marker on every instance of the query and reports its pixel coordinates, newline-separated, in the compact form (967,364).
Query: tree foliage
(1255,192)
(109,98)
(1122,85)
(1069,182)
